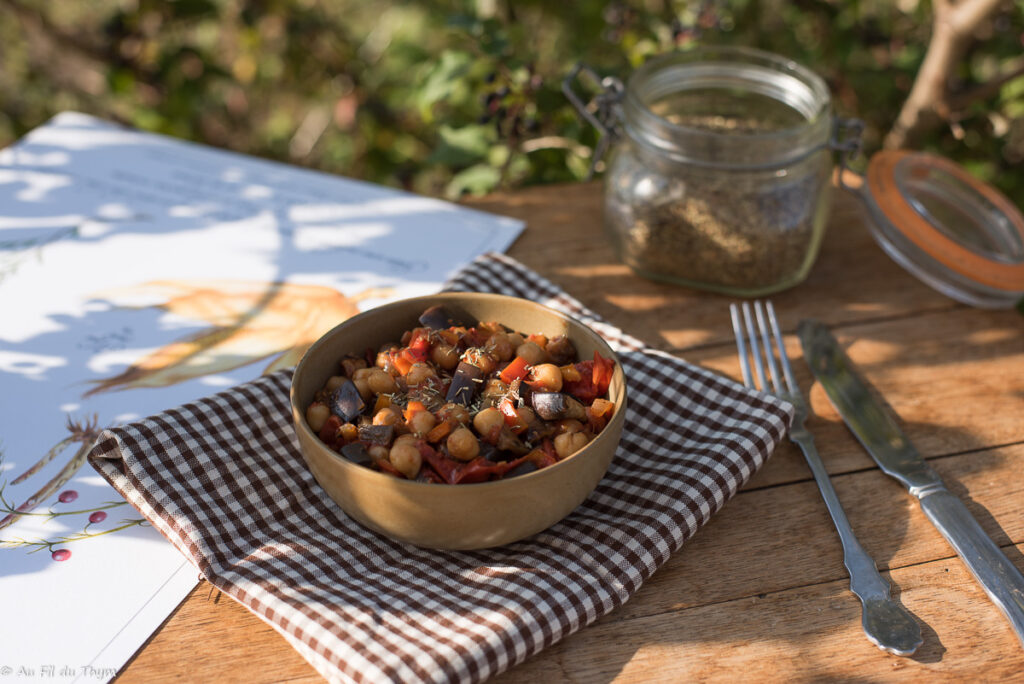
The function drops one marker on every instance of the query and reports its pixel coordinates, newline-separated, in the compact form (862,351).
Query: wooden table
(761,591)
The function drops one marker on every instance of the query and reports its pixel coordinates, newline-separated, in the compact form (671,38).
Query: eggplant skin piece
(561,350)
(377,434)
(357,453)
(465,383)
(521,469)
(346,402)
(556,406)
(437,318)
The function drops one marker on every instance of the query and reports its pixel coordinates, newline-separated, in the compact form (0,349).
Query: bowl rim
(298,413)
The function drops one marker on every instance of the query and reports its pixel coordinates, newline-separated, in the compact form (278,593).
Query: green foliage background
(446,98)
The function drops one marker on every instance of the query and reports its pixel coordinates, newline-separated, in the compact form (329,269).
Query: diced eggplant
(521,469)
(556,406)
(561,350)
(350,364)
(377,434)
(437,318)
(357,453)
(346,402)
(510,443)
(465,384)
(492,454)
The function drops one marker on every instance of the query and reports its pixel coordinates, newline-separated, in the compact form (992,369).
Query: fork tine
(741,346)
(755,349)
(769,354)
(787,369)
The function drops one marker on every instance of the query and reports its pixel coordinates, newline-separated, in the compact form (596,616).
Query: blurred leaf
(443,79)
(462,146)
(476,180)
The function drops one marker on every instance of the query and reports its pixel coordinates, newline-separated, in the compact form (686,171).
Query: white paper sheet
(138,272)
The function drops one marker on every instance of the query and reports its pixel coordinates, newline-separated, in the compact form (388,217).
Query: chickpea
(316,415)
(406,458)
(494,389)
(481,360)
(419,373)
(526,415)
(546,377)
(378,452)
(445,355)
(531,353)
(364,388)
(569,425)
(407,438)
(422,422)
(488,422)
(334,382)
(348,432)
(456,412)
(381,382)
(463,445)
(499,347)
(569,443)
(387,416)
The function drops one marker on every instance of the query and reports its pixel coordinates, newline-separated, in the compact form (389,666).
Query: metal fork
(886,622)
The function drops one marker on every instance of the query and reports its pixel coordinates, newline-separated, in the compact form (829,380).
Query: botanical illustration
(248,321)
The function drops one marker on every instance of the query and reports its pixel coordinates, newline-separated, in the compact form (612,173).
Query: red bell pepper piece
(517,370)
(582,389)
(329,431)
(602,373)
(447,468)
(512,419)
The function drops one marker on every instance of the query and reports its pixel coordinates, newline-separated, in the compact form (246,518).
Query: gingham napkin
(223,479)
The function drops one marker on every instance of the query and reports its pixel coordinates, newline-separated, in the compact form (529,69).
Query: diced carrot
(440,431)
(413,408)
(538,339)
(401,363)
(383,401)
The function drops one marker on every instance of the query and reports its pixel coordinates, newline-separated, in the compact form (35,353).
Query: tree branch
(928,103)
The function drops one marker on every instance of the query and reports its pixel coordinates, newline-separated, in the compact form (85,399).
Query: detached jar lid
(954,232)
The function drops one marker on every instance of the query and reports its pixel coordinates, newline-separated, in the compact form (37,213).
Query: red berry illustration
(60,554)
(67,497)
(98,517)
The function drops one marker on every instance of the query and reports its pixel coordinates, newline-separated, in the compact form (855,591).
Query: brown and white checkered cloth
(223,479)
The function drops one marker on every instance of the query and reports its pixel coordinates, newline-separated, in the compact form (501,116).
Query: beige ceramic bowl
(467,516)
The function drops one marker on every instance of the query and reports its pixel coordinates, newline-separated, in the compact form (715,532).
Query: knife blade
(875,428)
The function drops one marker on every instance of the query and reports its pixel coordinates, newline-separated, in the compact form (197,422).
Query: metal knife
(876,429)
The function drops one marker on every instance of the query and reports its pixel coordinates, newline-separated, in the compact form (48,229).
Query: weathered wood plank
(956,380)
(211,638)
(802,634)
(787,530)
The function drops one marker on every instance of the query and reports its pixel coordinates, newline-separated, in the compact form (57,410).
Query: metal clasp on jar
(603,111)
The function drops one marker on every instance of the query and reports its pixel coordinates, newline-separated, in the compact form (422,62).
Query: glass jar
(720,174)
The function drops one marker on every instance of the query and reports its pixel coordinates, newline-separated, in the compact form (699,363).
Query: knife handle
(1001,580)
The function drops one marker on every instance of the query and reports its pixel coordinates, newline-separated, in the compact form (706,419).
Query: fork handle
(886,622)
